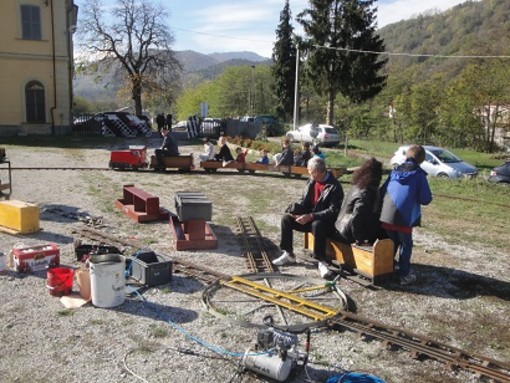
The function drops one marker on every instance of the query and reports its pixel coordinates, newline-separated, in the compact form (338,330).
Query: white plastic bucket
(107,280)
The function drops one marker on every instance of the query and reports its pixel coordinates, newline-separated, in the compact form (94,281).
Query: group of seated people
(298,157)
(288,156)
(365,214)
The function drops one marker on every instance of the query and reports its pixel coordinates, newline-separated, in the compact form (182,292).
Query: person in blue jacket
(405,190)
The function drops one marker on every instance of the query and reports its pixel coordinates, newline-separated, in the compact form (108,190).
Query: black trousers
(160,153)
(320,230)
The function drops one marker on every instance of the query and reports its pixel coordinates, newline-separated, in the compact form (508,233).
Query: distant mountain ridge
(194,61)
(197,67)
(471,28)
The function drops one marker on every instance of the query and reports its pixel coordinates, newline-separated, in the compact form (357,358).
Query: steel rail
(417,345)
(256,255)
(423,346)
(61,168)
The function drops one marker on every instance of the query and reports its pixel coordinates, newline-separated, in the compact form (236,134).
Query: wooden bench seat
(373,262)
(252,167)
(140,205)
(183,163)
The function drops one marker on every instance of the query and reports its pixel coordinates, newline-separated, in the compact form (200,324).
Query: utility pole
(296,92)
(251,98)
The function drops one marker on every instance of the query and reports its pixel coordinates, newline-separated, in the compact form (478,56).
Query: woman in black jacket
(358,220)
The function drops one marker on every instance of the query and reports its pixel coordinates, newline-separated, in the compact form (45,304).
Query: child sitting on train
(264,159)
(317,152)
(208,154)
(305,155)
(224,155)
(241,154)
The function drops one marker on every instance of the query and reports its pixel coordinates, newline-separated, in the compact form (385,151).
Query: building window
(35,105)
(31,22)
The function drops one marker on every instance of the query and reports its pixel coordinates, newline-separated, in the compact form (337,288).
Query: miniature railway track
(61,168)
(203,274)
(107,239)
(419,346)
(256,255)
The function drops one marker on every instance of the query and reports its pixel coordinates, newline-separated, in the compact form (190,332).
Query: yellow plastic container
(19,216)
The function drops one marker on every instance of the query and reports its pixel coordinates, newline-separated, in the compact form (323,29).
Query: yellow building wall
(23,60)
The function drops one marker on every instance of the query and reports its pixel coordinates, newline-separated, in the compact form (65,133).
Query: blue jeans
(404,243)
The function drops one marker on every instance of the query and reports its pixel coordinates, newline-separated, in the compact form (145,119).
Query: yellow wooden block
(19,216)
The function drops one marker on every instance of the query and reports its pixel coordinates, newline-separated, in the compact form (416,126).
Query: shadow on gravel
(48,236)
(445,282)
(156,311)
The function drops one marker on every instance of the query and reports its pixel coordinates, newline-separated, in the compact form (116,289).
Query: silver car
(438,162)
(326,135)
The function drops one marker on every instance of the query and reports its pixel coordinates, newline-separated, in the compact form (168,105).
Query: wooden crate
(18,217)
(373,262)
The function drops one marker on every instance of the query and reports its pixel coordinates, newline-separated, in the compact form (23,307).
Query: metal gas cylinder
(270,365)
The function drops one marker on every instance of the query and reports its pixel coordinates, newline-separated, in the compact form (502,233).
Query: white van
(438,162)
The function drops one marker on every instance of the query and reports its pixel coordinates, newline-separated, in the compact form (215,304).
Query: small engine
(275,354)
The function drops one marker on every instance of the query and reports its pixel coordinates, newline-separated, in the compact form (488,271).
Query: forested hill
(472,28)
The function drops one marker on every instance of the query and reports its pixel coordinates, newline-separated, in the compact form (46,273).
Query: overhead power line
(415,54)
(405,54)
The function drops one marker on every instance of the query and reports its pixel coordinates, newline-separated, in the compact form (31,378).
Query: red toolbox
(35,258)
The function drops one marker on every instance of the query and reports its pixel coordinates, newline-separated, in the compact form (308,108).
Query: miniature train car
(134,158)
(251,167)
(184,163)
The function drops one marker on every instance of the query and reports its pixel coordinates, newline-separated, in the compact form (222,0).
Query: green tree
(228,94)
(416,110)
(284,65)
(336,30)
(477,102)
(133,39)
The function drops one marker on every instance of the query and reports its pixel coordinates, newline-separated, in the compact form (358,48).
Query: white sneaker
(285,259)
(324,270)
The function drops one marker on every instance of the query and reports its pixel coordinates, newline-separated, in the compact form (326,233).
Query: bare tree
(133,38)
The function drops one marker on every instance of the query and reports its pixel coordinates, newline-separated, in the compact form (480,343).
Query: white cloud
(397,10)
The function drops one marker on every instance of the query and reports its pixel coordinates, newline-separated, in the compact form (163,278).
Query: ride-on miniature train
(135,158)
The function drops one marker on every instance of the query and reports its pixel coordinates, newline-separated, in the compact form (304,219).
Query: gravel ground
(461,297)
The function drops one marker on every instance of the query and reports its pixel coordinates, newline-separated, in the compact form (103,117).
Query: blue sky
(209,26)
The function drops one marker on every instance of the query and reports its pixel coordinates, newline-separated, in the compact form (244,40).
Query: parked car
(327,135)
(180,126)
(113,124)
(501,173)
(273,127)
(439,162)
(132,122)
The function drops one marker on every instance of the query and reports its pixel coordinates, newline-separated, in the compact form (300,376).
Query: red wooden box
(35,258)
